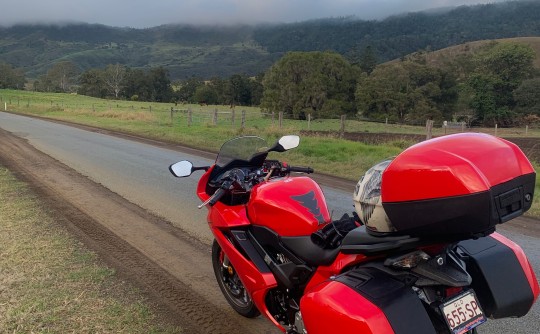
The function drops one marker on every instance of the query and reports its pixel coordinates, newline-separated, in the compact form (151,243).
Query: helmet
(367,200)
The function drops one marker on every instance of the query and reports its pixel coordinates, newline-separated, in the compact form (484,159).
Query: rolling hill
(209,51)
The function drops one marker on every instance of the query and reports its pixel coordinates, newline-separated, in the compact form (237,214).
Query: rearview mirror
(289,142)
(285,143)
(181,169)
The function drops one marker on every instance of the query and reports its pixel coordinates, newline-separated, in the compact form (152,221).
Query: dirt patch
(144,250)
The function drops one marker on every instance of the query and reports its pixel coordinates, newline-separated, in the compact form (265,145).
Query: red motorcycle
(419,255)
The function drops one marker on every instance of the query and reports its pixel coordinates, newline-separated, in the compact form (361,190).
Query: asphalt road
(139,173)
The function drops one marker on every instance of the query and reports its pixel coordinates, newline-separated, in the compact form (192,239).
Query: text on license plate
(463,313)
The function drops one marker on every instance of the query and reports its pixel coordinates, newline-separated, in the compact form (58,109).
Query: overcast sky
(149,13)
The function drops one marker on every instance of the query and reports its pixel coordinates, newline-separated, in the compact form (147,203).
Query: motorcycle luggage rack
(359,241)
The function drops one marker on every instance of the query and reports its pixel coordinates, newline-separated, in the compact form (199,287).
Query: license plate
(463,313)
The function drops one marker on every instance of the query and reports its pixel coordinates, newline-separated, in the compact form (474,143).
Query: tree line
(117,81)
(497,84)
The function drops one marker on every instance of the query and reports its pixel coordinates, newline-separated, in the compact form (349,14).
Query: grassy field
(325,153)
(49,283)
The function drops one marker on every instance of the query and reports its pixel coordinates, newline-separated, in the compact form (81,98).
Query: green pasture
(197,126)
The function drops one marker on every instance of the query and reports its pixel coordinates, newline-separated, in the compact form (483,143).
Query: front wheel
(230,284)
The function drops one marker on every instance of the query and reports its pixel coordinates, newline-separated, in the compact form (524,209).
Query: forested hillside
(184,51)
(397,36)
(206,52)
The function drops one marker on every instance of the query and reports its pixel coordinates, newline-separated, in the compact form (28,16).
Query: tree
(10,77)
(160,84)
(206,94)
(406,92)
(317,83)
(92,83)
(114,76)
(527,97)
(501,68)
(368,60)
(187,89)
(238,90)
(62,75)
(137,85)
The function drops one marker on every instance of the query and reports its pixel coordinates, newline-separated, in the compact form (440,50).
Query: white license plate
(463,313)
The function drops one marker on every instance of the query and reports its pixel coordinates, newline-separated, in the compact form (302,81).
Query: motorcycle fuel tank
(457,184)
(290,206)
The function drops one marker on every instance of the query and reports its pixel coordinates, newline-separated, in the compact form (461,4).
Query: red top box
(457,184)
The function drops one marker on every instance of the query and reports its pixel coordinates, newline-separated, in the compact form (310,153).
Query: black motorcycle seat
(309,252)
(360,241)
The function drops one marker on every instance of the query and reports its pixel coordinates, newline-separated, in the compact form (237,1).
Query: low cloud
(144,13)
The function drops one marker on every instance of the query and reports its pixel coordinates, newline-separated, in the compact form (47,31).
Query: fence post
(496,126)
(526,130)
(172,115)
(273,118)
(189,117)
(150,108)
(243,125)
(214,118)
(232,117)
(18,101)
(280,119)
(93,108)
(429,129)
(342,126)
(462,126)
(309,122)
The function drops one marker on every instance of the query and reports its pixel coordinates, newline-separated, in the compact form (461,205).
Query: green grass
(50,283)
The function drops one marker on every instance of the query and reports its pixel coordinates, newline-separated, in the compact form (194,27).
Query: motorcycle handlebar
(307,170)
(217,195)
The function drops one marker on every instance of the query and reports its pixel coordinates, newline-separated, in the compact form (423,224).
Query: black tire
(230,284)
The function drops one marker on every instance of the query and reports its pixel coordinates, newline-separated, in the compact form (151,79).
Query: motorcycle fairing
(373,301)
(256,283)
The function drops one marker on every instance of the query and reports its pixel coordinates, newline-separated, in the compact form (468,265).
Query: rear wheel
(230,284)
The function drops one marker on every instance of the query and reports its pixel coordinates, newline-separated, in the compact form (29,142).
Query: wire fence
(180,115)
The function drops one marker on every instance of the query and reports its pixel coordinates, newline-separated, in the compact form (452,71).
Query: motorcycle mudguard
(502,277)
(364,300)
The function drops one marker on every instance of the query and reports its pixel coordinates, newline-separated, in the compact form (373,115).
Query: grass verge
(49,283)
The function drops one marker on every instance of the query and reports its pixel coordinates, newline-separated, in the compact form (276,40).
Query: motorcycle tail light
(452,291)
(407,261)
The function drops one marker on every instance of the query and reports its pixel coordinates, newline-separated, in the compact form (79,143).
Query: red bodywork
(289,206)
(343,311)
(297,207)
